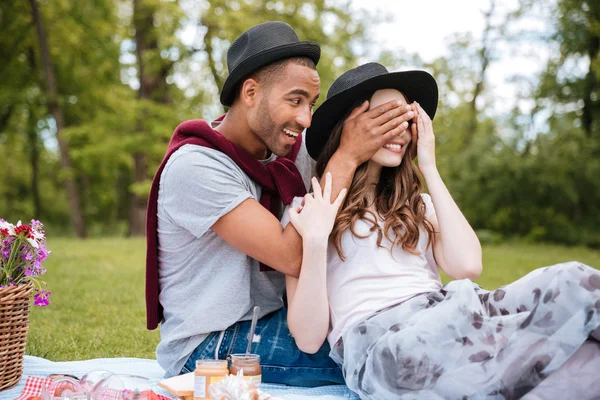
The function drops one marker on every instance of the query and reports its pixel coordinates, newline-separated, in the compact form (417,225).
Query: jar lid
(245,357)
(211,363)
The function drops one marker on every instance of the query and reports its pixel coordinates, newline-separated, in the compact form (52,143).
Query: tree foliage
(128,71)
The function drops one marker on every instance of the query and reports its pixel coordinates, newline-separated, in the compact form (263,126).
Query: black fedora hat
(361,82)
(261,45)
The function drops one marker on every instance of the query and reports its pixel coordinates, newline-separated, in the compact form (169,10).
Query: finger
(399,113)
(414,141)
(382,109)
(293,213)
(422,112)
(415,108)
(394,132)
(421,124)
(317,191)
(414,133)
(401,122)
(327,190)
(358,110)
(427,121)
(308,197)
(340,198)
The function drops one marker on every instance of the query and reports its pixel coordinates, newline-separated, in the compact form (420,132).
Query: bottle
(208,372)
(249,364)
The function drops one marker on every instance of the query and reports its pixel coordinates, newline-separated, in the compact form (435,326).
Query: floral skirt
(465,342)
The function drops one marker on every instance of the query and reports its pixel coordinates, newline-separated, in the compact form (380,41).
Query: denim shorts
(281,360)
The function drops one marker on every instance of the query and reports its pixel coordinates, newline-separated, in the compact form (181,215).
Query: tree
(571,81)
(153,71)
(338,32)
(56,110)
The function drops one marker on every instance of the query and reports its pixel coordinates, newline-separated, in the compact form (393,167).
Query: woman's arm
(308,307)
(456,247)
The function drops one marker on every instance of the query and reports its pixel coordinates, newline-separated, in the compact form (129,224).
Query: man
(213,212)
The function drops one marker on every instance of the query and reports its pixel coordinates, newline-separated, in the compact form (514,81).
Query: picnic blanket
(578,377)
(40,367)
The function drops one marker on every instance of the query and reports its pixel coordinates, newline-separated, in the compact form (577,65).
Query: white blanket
(577,379)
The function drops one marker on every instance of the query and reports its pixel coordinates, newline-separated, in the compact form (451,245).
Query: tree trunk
(33,142)
(591,80)
(34,162)
(77,221)
(152,88)
(211,62)
(137,213)
(484,57)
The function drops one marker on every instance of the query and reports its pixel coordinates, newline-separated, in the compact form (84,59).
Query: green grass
(97,307)
(97,304)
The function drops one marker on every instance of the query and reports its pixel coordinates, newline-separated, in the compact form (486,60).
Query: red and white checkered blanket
(34,385)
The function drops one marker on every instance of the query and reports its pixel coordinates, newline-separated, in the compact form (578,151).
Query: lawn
(97,307)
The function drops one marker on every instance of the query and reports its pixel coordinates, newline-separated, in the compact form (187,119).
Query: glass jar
(208,372)
(249,364)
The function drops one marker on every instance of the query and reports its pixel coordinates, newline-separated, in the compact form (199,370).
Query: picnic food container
(249,364)
(208,372)
(14,325)
(64,388)
(123,386)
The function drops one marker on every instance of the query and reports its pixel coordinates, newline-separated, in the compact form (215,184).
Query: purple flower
(42,252)
(35,224)
(42,298)
(26,243)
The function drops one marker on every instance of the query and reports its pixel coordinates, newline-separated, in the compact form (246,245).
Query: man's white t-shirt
(205,284)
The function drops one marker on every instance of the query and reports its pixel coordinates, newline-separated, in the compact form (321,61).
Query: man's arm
(254,231)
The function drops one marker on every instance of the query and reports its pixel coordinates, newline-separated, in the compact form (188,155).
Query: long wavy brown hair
(397,199)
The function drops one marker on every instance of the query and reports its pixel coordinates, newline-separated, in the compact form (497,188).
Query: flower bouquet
(22,251)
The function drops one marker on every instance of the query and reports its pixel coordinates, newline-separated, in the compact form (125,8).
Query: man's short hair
(268,74)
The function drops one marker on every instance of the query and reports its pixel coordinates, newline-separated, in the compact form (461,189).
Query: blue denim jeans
(281,360)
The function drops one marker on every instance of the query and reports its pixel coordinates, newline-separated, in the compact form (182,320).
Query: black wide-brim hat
(359,83)
(259,46)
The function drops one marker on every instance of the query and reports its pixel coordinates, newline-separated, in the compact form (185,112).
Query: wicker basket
(14,324)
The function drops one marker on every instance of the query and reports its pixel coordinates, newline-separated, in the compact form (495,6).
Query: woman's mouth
(394,147)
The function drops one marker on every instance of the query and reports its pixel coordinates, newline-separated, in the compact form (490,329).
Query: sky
(424,27)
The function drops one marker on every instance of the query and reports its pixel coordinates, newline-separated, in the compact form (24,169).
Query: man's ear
(249,92)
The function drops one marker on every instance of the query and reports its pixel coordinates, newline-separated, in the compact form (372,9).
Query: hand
(316,219)
(365,132)
(423,140)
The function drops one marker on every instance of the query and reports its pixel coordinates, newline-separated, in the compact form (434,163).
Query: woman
(372,287)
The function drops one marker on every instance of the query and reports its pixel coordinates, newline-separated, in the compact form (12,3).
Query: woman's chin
(390,163)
